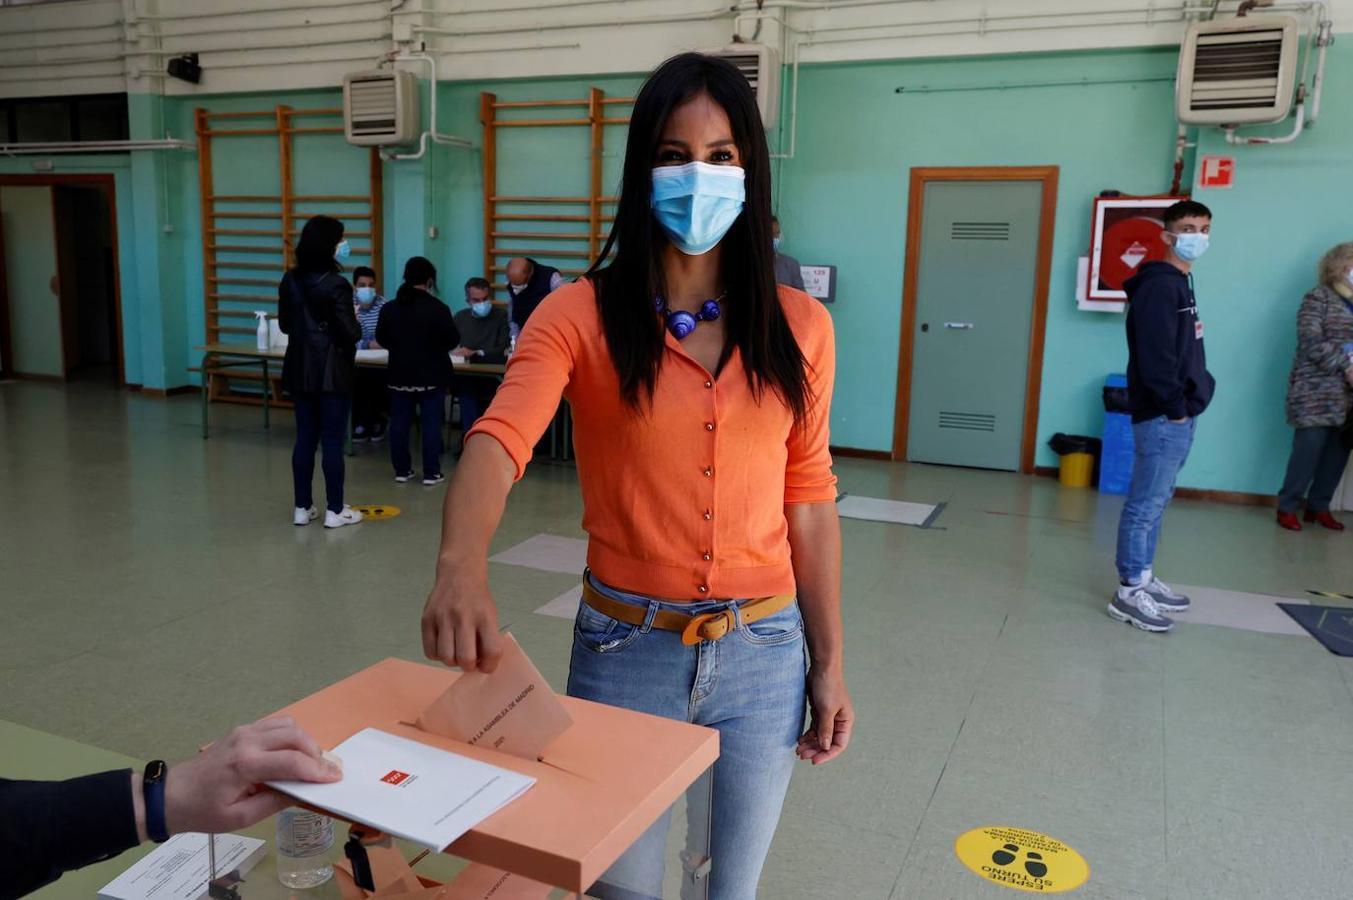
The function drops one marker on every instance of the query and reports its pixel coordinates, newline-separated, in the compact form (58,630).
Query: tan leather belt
(693,629)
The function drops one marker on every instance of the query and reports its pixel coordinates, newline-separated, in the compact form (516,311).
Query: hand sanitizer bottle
(303,842)
(263,333)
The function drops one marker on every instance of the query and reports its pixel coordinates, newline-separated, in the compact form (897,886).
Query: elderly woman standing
(1319,394)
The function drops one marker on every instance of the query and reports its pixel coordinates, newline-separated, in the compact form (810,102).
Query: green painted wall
(842,200)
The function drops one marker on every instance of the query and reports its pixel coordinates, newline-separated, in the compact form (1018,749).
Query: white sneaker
(348,516)
(303,516)
(1132,604)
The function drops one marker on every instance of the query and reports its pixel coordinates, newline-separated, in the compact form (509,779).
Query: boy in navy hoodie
(1168,388)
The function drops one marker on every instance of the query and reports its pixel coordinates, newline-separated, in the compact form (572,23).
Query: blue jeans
(1160,448)
(321,419)
(750,687)
(430,412)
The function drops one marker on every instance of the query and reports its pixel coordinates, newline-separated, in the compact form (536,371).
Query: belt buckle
(693,633)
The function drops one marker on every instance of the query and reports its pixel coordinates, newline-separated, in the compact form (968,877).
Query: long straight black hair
(626,286)
(319,238)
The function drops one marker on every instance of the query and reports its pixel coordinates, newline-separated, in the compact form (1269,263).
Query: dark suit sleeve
(284,303)
(452,333)
(50,827)
(383,326)
(1156,315)
(342,313)
(496,351)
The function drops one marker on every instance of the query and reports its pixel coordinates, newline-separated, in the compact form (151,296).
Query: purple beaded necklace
(682,323)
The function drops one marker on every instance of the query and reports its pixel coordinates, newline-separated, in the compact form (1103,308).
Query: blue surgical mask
(481,308)
(697,203)
(343,250)
(366,295)
(1190,246)
(775,243)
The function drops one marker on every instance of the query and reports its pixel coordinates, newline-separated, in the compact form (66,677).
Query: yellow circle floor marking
(377,511)
(1021,859)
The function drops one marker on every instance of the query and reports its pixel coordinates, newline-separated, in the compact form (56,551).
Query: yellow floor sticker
(377,511)
(1021,859)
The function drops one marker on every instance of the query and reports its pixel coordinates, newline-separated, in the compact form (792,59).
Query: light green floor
(153,594)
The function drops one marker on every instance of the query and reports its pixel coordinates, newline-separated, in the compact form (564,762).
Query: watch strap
(152,790)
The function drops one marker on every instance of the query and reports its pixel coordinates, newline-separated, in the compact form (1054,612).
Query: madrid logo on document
(398,778)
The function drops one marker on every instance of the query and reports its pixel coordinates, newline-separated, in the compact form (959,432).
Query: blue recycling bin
(1115,461)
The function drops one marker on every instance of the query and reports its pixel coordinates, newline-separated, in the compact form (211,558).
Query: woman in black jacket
(314,310)
(420,334)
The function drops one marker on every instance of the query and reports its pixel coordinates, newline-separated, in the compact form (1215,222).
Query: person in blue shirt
(370,405)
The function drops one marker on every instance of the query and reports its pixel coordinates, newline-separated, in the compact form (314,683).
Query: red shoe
(1325,519)
(1288,520)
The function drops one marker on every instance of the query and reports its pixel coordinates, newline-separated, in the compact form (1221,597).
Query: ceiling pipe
(48,148)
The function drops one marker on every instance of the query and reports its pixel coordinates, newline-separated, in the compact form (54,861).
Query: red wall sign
(1216,171)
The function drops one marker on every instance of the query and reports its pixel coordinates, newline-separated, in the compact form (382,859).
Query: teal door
(974,308)
(31,266)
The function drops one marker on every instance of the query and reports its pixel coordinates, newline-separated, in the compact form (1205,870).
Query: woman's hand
(833,716)
(460,624)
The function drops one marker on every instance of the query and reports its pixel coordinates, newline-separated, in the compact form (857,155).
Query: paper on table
(178,868)
(377,355)
(512,711)
(410,790)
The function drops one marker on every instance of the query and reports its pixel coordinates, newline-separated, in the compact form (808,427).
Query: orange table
(601,785)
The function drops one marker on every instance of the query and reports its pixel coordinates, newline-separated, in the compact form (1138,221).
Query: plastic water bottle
(303,842)
(263,333)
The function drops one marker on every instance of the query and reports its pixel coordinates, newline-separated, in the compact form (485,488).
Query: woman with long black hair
(700,395)
(314,310)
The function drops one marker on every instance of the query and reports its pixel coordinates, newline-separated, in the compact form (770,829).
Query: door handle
(959,326)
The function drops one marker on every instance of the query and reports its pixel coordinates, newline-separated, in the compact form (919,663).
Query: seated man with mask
(484,338)
(370,404)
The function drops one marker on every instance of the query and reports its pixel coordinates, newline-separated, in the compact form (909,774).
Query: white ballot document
(178,868)
(410,790)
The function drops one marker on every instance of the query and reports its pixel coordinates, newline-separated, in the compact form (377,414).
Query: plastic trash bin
(1077,452)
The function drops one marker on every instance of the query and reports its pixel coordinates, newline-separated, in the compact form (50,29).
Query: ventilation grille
(979,231)
(962,421)
(1237,71)
(373,106)
(749,64)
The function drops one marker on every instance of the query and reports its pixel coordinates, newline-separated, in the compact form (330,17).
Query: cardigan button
(707,556)
(709,472)
(709,426)
(704,589)
(709,514)
(709,385)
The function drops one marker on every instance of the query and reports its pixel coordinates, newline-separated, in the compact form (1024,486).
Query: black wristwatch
(152,789)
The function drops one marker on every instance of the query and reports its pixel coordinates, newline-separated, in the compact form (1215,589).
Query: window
(94,117)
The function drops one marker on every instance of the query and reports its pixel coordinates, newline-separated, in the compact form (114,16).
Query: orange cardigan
(685,501)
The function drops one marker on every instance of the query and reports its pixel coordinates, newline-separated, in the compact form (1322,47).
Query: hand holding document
(513,710)
(410,790)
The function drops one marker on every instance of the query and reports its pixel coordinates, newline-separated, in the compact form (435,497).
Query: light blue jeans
(1160,448)
(750,686)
